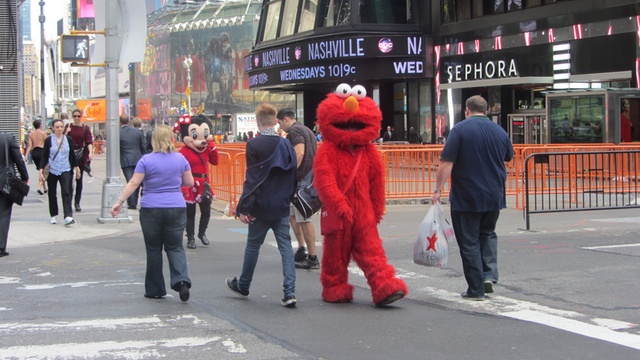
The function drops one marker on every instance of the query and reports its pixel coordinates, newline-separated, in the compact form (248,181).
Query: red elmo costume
(349,122)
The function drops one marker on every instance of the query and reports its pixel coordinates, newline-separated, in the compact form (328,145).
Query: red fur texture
(361,207)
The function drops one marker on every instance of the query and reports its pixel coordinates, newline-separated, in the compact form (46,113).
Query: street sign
(75,48)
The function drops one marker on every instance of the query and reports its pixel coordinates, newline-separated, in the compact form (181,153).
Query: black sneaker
(488,286)
(232,284)
(309,264)
(289,301)
(184,291)
(300,255)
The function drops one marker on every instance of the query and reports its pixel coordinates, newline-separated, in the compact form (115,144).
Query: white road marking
(571,321)
(114,349)
(610,246)
(577,327)
(9,280)
(53,286)
(232,347)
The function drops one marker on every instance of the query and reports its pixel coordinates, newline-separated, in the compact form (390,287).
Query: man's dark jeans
(478,243)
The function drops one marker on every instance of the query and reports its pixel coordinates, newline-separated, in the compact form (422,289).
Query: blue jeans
(257,232)
(132,201)
(478,243)
(163,227)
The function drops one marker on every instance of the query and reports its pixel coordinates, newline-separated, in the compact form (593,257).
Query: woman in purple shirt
(163,212)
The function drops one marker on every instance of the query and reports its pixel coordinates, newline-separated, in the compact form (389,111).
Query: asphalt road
(568,290)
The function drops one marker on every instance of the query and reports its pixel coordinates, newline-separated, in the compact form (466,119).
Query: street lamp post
(43,106)
(187,65)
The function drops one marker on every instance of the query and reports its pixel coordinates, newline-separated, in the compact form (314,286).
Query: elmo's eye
(359,92)
(206,134)
(194,136)
(343,90)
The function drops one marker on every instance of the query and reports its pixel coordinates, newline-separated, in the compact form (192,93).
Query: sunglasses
(77,116)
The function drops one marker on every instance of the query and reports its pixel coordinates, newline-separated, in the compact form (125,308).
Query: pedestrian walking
(35,149)
(132,146)
(83,150)
(270,182)
(474,157)
(163,213)
(305,145)
(58,154)
(10,156)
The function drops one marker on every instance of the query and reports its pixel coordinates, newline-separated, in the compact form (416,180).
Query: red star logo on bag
(432,242)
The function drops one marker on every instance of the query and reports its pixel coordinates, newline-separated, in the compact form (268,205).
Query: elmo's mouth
(351,126)
(201,148)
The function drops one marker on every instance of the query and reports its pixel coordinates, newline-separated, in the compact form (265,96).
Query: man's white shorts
(299,217)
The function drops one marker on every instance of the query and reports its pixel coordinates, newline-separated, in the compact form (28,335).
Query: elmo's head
(348,117)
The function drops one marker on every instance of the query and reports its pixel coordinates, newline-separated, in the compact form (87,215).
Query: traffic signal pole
(113,184)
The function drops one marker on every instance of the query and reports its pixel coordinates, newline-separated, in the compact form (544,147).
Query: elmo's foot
(338,294)
(391,298)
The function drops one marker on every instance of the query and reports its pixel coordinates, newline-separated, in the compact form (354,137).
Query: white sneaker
(53,220)
(68,221)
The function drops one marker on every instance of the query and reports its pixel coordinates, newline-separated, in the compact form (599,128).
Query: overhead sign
(75,48)
(340,59)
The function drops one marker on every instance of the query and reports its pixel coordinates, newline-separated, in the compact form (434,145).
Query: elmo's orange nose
(351,104)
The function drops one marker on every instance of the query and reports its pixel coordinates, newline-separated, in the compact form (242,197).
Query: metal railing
(579,181)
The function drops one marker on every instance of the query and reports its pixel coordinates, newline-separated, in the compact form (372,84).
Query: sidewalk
(30,222)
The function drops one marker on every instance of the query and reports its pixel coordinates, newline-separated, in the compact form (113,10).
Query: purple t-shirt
(162,180)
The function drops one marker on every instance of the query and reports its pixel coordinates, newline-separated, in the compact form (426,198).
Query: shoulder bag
(330,221)
(45,170)
(306,199)
(80,152)
(14,188)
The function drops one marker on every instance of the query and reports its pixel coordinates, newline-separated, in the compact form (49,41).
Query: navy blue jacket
(270,183)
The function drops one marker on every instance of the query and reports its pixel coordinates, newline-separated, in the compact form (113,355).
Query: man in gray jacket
(132,146)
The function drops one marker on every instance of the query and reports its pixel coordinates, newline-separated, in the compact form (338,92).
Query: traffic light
(75,48)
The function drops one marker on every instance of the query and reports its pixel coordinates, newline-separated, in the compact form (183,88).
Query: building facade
(512,52)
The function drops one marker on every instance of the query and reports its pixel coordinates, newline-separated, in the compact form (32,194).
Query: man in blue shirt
(474,157)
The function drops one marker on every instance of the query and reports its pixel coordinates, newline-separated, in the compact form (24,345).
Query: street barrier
(580,180)
(410,170)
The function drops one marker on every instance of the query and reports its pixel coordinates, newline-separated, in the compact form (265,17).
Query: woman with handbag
(35,148)
(9,157)
(60,162)
(83,149)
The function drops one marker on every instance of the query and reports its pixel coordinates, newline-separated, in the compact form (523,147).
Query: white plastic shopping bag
(431,248)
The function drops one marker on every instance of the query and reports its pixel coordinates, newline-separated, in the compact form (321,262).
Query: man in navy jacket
(270,182)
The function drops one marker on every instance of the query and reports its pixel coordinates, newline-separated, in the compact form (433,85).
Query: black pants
(205,214)
(5,218)
(78,196)
(66,190)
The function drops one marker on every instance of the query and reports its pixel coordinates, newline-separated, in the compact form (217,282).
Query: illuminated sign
(75,48)
(511,63)
(340,59)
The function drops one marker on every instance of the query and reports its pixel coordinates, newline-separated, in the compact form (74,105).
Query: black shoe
(289,301)
(3,253)
(39,192)
(184,291)
(300,255)
(473,298)
(308,264)
(191,243)
(204,239)
(78,208)
(232,284)
(391,298)
(153,296)
(488,286)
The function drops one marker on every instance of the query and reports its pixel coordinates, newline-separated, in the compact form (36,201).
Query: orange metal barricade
(410,170)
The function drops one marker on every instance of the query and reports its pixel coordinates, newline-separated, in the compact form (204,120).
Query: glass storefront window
(308,16)
(576,119)
(289,17)
(337,12)
(385,11)
(271,23)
